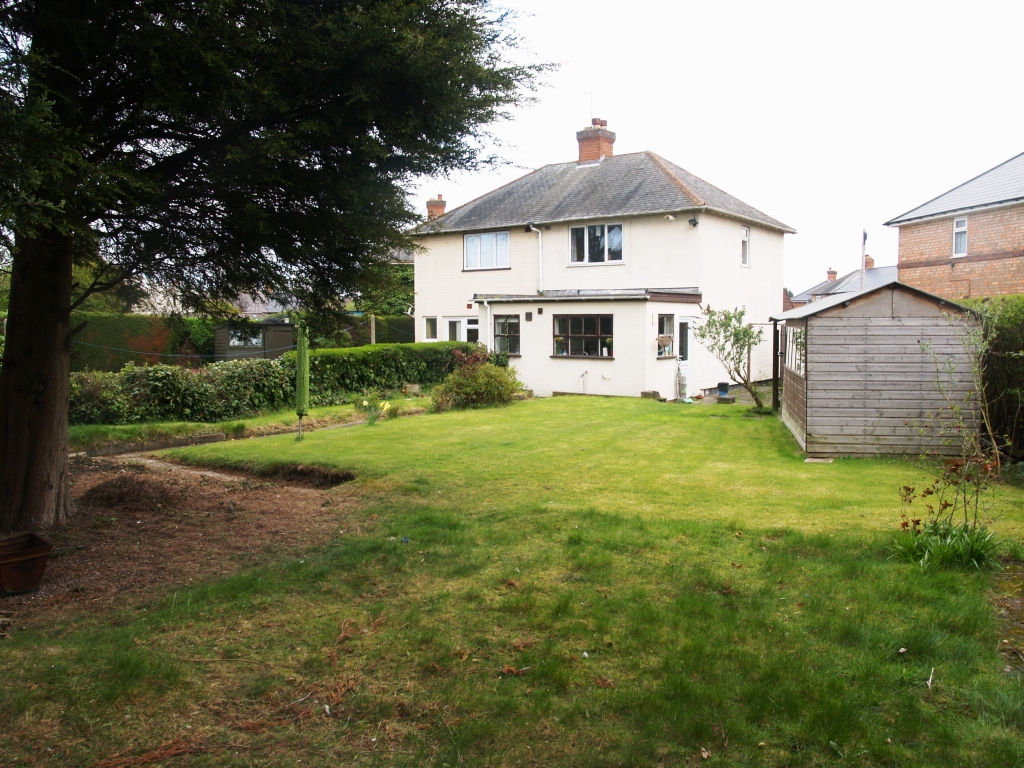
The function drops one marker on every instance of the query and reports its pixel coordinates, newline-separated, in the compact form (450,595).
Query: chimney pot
(832,274)
(869,263)
(435,208)
(595,141)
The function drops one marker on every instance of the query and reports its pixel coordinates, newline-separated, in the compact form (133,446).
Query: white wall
(657,253)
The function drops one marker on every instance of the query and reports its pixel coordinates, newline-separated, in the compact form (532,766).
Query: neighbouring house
(591,274)
(969,241)
(268,339)
(849,283)
(861,372)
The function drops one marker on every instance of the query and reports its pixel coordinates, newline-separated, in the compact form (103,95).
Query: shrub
(240,388)
(947,545)
(375,407)
(475,383)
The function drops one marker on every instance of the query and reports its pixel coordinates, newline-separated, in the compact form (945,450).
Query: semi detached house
(591,274)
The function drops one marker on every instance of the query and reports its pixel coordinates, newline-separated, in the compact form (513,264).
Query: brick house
(969,241)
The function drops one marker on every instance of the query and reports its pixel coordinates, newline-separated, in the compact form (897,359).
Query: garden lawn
(571,582)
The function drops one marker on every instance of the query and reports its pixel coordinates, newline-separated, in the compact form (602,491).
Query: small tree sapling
(724,334)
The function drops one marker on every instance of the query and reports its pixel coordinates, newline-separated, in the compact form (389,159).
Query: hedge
(241,388)
(100,344)
(1004,366)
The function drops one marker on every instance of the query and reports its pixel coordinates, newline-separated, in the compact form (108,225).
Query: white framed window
(488,250)
(430,328)
(960,237)
(595,244)
(665,338)
(745,247)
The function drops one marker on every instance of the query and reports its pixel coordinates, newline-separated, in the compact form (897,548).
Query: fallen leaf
(512,584)
(603,682)
(737,565)
(704,753)
(508,669)
(524,644)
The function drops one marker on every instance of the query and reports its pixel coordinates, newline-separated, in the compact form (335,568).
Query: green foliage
(193,333)
(375,407)
(1003,320)
(241,388)
(336,372)
(943,544)
(314,174)
(726,336)
(302,373)
(98,344)
(387,290)
(475,383)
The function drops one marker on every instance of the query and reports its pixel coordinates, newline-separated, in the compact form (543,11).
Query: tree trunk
(34,490)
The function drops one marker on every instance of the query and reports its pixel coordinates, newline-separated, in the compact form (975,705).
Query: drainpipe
(775,366)
(540,255)
(488,339)
(582,389)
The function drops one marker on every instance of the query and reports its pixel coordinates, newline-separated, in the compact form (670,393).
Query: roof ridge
(952,189)
(662,165)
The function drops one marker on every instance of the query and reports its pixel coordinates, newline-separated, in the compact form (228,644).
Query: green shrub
(947,545)
(475,383)
(241,388)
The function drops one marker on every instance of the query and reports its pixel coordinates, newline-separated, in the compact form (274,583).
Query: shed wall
(794,395)
(871,387)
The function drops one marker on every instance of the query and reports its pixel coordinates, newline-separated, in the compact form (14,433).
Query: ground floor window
(583,335)
(506,334)
(665,338)
(431,328)
(245,337)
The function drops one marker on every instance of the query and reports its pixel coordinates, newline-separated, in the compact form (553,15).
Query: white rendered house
(592,274)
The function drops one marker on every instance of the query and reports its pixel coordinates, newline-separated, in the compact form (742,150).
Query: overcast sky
(831,117)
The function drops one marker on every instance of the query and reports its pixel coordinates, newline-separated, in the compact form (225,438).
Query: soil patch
(307,474)
(144,528)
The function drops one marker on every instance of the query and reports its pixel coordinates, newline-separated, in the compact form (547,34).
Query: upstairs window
(487,251)
(595,244)
(506,334)
(745,247)
(583,335)
(959,237)
(665,338)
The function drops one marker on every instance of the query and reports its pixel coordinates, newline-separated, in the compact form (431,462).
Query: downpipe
(583,390)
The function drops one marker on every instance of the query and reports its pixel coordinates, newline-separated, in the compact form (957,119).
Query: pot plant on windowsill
(558,342)
(606,350)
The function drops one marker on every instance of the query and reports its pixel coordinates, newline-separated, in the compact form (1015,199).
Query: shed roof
(1001,185)
(841,298)
(620,185)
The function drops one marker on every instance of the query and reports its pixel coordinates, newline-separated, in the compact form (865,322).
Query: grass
(728,597)
(84,437)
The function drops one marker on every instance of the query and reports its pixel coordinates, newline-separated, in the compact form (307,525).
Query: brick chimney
(435,208)
(595,141)
(832,274)
(869,263)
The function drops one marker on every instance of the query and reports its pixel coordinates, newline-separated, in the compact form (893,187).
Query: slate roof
(998,186)
(621,185)
(849,283)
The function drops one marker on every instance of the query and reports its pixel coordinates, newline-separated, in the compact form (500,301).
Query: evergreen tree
(212,148)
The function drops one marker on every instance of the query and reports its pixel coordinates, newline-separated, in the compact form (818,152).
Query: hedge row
(242,388)
(101,343)
(1004,366)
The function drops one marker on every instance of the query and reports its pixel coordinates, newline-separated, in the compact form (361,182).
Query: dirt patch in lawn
(318,477)
(142,528)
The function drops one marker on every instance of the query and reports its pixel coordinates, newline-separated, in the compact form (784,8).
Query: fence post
(373,329)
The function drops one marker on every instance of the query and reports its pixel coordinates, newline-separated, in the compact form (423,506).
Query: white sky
(828,116)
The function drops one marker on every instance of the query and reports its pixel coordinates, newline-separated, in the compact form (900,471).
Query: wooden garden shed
(869,372)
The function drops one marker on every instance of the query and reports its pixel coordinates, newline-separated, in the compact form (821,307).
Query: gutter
(899,221)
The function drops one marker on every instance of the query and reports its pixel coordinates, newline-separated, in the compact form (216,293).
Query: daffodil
(365,404)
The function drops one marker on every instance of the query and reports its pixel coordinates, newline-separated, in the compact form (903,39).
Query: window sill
(666,357)
(596,264)
(486,269)
(580,357)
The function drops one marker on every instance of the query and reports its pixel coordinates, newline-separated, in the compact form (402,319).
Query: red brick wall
(994,264)
(595,143)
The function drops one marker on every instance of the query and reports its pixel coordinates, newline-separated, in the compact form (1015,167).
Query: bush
(241,388)
(947,545)
(475,383)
